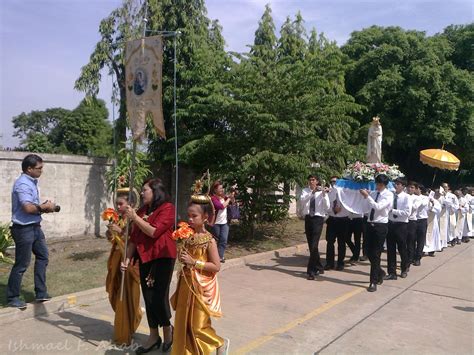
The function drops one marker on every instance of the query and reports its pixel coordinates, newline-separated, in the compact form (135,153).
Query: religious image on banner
(143,70)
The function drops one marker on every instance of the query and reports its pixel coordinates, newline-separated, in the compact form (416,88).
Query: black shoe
(458,241)
(404,274)
(381,277)
(431,253)
(17,304)
(43,299)
(417,263)
(320,272)
(340,267)
(390,277)
(311,277)
(372,288)
(363,258)
(167,346)
(142,350)
(222,261)
(328,267)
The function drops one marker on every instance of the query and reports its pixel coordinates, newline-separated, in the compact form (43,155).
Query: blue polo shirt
(25,190)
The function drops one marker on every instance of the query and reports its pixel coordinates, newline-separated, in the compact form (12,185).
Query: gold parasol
(439,158)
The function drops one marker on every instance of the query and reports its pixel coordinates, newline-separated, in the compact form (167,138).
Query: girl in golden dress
(128,313)
(197,294)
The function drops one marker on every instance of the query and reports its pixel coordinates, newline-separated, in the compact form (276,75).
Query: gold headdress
(126,190)
(197,195)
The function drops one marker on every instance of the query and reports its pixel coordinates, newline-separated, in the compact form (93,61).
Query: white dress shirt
(451,202)
(415,203)
(423,208)
(403,210)
(321,202)
(382,207)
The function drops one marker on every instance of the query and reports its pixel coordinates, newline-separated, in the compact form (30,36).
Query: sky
(44,43)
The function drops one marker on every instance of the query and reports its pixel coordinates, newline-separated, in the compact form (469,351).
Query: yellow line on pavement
(263,339)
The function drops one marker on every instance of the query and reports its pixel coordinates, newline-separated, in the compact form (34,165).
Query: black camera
(57,208)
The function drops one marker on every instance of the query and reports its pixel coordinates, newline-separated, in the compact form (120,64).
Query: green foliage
(84,130)
(6,241)
(119,176)
(423,99)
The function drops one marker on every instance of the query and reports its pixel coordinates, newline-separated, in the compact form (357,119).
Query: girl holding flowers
(128,313)
(197,294)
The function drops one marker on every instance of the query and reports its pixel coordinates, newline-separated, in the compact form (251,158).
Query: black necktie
(372,211)
(395,200)
(312,205)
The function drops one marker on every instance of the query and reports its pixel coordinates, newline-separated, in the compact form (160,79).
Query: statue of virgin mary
(374,142)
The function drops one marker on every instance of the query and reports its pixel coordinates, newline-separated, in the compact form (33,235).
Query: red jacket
(160,245)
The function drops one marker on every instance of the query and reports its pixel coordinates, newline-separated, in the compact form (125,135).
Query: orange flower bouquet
(183,232)
(110,215)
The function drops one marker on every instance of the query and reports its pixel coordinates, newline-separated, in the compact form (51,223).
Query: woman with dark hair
(220,226)
(151,239)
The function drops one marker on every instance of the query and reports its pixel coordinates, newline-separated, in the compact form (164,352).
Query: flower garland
(359,171)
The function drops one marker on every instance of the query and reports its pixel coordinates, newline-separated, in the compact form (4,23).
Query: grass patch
(79,264)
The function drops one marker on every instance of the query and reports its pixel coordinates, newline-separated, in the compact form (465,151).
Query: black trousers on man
(313,226)
(421,228)
(337,229)
(397,238)
(376,234)
(355,228)
(411,240)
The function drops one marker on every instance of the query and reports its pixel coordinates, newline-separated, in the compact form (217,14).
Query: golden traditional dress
(196,299)
(128,313)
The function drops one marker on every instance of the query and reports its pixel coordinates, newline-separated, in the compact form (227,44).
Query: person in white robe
(468,230)
(461,220)
(433,235)
(452,205)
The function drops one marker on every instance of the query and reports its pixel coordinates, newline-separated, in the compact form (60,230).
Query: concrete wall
(76,183)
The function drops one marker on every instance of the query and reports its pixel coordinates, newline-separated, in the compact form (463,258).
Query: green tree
(461,38)
(87,131)
(123,23)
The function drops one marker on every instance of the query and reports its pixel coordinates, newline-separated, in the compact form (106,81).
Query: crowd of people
(407,217)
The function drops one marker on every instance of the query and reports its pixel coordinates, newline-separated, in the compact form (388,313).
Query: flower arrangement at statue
(110,215)
(362,172)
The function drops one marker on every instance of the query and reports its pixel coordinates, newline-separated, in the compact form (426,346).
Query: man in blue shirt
(27,233)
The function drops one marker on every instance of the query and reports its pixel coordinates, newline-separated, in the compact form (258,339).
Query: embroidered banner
(143,70)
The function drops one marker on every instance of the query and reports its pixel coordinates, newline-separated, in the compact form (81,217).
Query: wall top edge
(56,158)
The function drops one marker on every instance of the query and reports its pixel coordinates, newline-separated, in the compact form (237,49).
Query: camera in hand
(57,208)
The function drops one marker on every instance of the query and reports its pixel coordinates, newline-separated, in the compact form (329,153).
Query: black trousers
(337,229)
(397,238)
(355,228)
(411,239)
(376,234)
(157,299)
(421,228)
(313,226)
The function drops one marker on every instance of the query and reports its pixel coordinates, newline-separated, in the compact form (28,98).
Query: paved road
(270,308)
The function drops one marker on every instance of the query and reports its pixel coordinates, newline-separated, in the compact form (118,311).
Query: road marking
(263,339)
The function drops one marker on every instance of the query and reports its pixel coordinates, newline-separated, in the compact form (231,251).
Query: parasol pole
(132,175)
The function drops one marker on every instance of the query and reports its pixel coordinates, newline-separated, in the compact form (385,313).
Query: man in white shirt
(314,205)
(411,228)
(421,223)
(379,203)
(338,224)
(397,231)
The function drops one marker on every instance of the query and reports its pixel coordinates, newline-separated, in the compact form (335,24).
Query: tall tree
(123,23)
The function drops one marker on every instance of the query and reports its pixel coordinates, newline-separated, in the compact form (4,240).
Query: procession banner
(143,71)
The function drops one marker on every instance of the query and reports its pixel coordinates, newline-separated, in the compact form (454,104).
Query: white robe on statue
(452,205)
(433,236)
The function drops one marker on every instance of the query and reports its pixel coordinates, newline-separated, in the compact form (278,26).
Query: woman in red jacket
(151,240)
